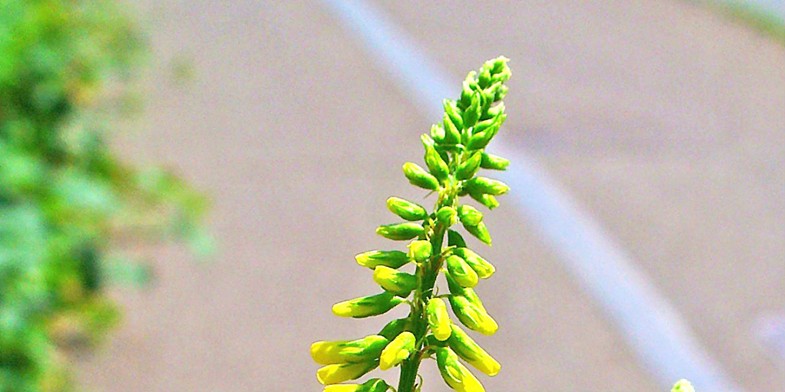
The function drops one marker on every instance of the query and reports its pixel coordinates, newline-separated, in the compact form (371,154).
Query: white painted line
(652,327)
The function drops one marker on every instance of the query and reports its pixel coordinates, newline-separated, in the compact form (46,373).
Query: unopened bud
(420,250)
(435,163)
(484,199)
(437,133)
(463,274)
(438,319)
(367,306)
(472,113)
(388,258)
(334,374)
(486,185)
(469,215)
(406,209)
(452,134)
(394,281)
(482,267)
(481,232)
(454,373)
(683,386)
(452,111)
(471,352)
(397,350)
(484,79)
(493,162)
(340,351)
(417,176)
(473,317)
(400,231)
(468,168)
(447,216)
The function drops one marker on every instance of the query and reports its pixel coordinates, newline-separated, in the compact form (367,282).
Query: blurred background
(654,129)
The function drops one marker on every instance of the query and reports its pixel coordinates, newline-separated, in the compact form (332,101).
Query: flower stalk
(454,155)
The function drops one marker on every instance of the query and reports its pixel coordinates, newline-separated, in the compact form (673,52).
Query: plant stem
(427,274)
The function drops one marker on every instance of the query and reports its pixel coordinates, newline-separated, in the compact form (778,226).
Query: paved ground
(664,121)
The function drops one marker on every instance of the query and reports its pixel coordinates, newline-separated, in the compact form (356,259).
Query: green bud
(481,232)
(498,65)
(435,163)
(469,215)
(496,110)
(471,352)
(452,134)
(437,133)
(486,200)
(484,80)
(484,125)
(467,89)
(446,216)
(683,386)
(455,375)
(468,168)
(452,111)
(394,328)
(397,350)
(455,239)
(372,385)
(461,272)
(493,162)
(387,258)
(472,316)
(394,281)
(337,373)
(472,113)
(354,351)
(417,176)
(372,305)
(406,209)
(486,185)
(420,250)
(438,319)
(482,267)
(400,231)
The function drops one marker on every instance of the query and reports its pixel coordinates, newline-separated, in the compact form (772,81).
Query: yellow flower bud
(438,319)
(469,215)
(397,350)
(482,267)
(400,231)
(683,386)
(472,316)
(337,373)
(340,351)
(420,250)
(468,168)
(394,281)
(387,258)
(471,352)
(406,209)
(457,376)
(461,272)
(480,231)
(367,306)
(417,176)
(447,215)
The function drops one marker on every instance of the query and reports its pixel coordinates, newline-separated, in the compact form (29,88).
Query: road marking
(651,326)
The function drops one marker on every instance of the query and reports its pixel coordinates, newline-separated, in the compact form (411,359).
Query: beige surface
(662,120)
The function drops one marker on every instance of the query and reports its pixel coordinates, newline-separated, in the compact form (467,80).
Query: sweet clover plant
(454,154)
(68,204)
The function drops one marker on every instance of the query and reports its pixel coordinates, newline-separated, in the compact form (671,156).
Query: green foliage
(67,204)
(454,153)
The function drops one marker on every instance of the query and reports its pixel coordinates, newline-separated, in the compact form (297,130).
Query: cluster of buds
(454,154)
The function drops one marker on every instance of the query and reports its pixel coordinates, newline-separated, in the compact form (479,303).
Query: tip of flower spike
(683,386)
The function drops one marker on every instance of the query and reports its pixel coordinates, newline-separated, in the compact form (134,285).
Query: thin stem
(426,273)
